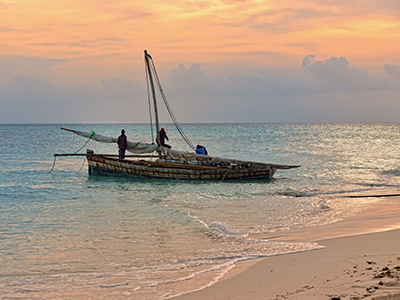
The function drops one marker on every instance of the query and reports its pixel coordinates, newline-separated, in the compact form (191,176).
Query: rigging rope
(93,133)
(148,99)
(54,164)
(84,160)
(55,156)
(153,67)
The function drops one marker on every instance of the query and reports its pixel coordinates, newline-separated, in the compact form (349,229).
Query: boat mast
(151,70)
(147,58)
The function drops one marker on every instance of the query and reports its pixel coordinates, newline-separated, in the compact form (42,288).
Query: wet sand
(359,260)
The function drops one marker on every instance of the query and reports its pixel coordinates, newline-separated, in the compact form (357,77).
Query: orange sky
(108,37)
(268,61)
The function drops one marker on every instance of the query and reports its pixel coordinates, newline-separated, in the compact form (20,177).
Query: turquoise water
(66,235)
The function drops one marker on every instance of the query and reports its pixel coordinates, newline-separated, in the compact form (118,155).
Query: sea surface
(68,235)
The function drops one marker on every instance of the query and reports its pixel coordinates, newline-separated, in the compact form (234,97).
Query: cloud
(36,66)
(284,19)
(31,99)
(308,60)
(392,70)
(118,89)
(28,88)
(335,74)
(192,81)
(317,77)
(195,95)
(5,6)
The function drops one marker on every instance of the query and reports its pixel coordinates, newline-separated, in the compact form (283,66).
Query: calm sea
(68,235)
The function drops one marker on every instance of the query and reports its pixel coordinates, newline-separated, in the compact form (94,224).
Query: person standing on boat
(161,137)
(122,144)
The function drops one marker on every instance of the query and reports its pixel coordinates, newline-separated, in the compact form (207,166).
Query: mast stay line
(152,69)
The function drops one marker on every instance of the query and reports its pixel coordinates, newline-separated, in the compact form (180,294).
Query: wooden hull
(103,165)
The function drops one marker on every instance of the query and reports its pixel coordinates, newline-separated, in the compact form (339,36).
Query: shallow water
(70,235)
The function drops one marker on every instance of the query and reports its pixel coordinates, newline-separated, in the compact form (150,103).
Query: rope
(93,133)
(148,99)
(169,108)
(84,160)
(54,162)
(134,146)
(229,168)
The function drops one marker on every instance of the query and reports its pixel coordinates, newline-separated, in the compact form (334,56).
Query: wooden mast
(147,58)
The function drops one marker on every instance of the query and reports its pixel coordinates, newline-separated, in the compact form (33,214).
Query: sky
(70,61)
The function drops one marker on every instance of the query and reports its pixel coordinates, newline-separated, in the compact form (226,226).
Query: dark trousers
(122,153)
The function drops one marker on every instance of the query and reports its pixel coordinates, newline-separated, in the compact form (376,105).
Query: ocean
(68,235)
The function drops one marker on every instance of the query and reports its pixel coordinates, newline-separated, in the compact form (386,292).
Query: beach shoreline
(359,260)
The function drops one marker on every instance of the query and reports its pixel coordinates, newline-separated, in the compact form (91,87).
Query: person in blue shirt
(201,150)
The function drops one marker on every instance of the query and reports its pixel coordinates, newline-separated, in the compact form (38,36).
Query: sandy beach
(361,259)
